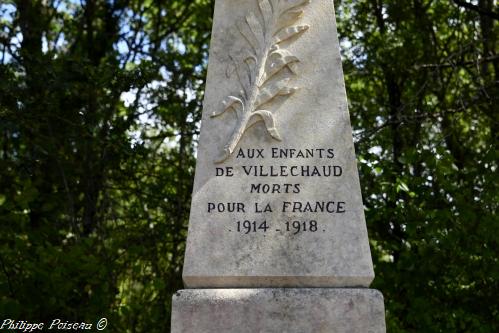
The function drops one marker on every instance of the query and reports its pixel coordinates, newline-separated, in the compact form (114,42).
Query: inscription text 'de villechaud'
(281,175)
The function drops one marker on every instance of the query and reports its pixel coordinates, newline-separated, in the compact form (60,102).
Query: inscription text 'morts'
(275,188)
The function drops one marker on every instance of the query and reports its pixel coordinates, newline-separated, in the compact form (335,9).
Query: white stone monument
(277,223)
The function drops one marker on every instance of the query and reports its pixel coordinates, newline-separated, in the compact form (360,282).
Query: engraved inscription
(264,69)
(267,210)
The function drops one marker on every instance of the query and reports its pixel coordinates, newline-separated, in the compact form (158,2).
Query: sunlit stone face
(276,199)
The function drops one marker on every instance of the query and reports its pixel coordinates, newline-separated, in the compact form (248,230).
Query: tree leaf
(287,33)
(246,32)
(272,90)
(294,5)
(267,13)
(256,29)
(244,72)
(289,18)
(268,118)
(231,68)
(276,62)
(228,103)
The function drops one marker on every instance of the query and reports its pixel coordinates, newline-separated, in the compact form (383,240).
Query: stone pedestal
(331,310)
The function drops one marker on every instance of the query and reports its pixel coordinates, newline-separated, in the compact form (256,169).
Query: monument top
(276,199)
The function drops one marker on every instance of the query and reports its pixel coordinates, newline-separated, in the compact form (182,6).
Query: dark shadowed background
(100,103)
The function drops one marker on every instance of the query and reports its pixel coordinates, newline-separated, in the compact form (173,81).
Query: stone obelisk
(277,240)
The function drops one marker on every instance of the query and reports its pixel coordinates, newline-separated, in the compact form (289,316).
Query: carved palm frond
(263,68)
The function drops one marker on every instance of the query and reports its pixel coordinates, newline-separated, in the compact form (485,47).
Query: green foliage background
(100,103)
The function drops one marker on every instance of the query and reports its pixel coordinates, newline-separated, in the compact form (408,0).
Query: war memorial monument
(277,239)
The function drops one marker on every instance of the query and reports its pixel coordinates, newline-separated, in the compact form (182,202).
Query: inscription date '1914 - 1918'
(294,227)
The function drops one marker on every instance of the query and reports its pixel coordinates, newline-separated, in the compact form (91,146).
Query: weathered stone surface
(243,173)
(278,310)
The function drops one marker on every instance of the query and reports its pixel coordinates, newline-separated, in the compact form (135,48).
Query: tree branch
(460,64)
(475,8)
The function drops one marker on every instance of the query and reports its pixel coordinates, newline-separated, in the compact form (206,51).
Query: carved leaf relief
(263,69)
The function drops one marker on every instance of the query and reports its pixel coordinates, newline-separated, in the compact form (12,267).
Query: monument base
(331,310)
